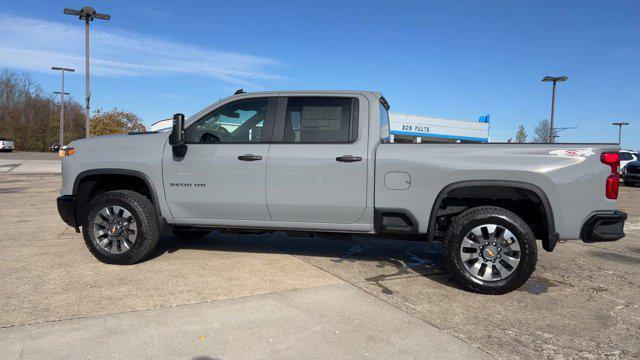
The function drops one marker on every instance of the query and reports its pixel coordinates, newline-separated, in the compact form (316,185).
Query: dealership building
(417,129)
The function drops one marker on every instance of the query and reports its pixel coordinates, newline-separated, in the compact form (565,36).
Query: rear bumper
(67,209)
(604,226)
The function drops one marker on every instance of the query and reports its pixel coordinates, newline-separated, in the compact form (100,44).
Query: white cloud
(36,45)
(152,13)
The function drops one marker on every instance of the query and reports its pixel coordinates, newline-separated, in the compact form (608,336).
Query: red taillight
(612,185)
(613,180)
(611,159)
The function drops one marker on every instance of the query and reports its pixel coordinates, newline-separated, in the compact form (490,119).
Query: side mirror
(176,139)
(177,131)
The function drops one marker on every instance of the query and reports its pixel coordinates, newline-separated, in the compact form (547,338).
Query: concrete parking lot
(20,162)
(276,296)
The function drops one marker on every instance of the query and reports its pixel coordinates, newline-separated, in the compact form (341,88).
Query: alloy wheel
(490,252)
(115,229)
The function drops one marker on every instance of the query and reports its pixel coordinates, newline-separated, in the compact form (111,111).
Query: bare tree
(542,132)
(521,135)
(31,118)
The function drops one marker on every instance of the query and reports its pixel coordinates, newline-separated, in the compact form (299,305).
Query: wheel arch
(87,181)
(548,242)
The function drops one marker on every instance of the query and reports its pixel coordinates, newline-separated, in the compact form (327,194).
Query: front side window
(238,122)
(317,120)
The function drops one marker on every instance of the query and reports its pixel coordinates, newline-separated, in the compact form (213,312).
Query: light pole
(87,14)
(554,79)
(620,125)
(555,132)
(62,94)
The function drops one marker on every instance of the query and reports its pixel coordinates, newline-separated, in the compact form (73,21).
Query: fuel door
(397,180)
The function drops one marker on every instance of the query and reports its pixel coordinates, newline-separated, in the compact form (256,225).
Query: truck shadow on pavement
(376,260)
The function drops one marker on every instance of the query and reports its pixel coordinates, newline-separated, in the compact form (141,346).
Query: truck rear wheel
(120,227)
(490,250)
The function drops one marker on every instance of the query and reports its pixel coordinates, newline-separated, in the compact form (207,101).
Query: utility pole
(620,125)
(62,94)
(554,79)
(87,14)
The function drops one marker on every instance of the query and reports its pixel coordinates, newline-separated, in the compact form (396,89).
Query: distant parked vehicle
(627,156)
(631,173)
(6,145)
(54,147)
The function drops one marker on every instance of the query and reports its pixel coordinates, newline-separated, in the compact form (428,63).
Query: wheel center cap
(490,252)
(115,230)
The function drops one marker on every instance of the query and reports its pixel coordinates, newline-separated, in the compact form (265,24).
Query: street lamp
(555,132)
(62,94)
(554,79)
(620,125)
(87,14)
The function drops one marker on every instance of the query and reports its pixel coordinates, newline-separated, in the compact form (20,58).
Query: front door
(317,169)
(222,175)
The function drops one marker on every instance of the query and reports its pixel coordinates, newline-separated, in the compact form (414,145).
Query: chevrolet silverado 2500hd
(320,162)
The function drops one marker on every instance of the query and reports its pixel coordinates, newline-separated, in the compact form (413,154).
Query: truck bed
(571,176)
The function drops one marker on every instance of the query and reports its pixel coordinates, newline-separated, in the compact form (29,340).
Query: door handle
(249,157)
(348,158)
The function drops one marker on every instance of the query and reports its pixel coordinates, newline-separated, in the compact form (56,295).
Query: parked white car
(627,156)
(6,145)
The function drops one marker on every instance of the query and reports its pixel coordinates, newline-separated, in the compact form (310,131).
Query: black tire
(190,234)
(144,214)
(470,219)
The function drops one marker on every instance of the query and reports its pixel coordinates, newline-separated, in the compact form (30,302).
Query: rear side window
(385,134)
(318,120)
(624,156)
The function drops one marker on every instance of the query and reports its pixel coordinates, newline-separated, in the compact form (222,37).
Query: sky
(448,59)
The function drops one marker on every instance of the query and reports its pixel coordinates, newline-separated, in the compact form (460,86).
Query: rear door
(222,176)
(317,168)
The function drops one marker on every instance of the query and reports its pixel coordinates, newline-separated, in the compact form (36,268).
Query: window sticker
(327,118)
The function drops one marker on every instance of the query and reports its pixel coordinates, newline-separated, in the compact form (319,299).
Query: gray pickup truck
(321,162)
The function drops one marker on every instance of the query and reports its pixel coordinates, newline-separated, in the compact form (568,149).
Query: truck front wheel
(490,250)
(120,227)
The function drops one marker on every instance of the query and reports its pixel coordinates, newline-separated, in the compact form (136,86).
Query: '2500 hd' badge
(186,185)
